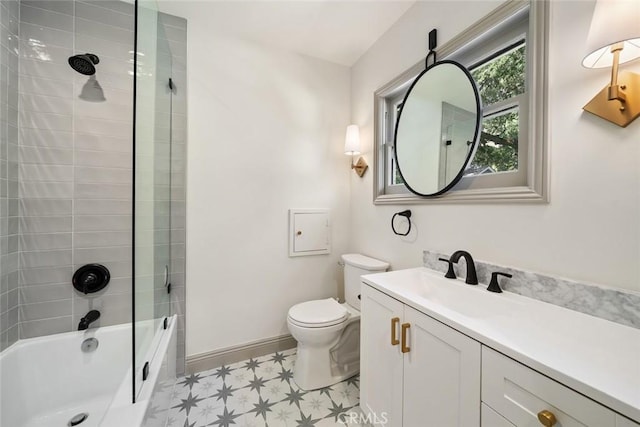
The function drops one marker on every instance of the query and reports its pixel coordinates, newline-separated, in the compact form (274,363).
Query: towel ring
(406,214)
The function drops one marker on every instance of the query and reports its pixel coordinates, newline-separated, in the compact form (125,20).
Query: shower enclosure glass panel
(72,131)
(152,187)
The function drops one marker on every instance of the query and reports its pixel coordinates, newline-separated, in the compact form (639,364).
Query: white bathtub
(46,381)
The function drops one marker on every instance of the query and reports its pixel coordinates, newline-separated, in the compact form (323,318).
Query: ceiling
(336,31)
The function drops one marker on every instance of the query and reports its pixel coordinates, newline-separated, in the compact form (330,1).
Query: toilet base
(326,355)
(315,369)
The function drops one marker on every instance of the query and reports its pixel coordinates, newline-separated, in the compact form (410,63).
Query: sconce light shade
(352,140)
(352,147)
(614,38)
(614,21)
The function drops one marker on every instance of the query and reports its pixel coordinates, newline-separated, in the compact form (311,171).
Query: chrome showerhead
(84,64)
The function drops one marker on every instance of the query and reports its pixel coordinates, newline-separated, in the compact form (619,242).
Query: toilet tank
(356,265)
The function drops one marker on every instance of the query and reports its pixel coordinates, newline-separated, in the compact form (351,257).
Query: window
(505,53)
(392,175)
(501,83)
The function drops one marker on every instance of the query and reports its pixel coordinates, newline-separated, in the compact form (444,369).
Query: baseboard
(225,356)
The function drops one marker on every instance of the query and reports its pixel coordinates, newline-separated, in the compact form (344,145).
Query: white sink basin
(428,288)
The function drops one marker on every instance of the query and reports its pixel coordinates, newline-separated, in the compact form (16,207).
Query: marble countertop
(593,356)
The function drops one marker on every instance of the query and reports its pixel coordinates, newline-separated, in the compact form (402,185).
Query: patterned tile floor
(259,393)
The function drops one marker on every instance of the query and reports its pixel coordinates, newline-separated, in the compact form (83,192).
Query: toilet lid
(318,313)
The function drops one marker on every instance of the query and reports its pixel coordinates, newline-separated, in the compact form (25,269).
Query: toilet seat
(318,313)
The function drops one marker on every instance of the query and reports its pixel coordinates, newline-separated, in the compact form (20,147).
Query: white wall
(266,133)
(266,129)
(589,231)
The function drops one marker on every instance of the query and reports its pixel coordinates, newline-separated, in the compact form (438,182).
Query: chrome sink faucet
(472,278)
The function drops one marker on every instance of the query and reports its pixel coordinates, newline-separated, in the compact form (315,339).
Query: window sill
(521,194)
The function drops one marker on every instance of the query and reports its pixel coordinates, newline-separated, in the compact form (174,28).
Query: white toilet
(328,333)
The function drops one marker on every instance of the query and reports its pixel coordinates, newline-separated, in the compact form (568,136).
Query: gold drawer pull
(394,327)
(405,347)
(546,418)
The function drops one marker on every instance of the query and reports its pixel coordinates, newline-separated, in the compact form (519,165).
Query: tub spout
(89,318)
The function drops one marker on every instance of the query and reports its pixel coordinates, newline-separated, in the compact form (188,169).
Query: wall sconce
(614,38)
(352,148)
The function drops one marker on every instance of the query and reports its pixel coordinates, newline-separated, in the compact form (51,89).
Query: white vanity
(440,353)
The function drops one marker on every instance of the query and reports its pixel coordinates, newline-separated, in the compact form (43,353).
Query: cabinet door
(380,362)
(519,393)
(441,375)
(491,418)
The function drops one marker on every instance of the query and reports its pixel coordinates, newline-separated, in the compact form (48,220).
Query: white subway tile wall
(9,174)
(66,182)
(75,163)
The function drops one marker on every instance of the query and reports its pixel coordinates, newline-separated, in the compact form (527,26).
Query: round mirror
(437,128)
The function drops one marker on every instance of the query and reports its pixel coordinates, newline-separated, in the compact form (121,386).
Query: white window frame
(531,182)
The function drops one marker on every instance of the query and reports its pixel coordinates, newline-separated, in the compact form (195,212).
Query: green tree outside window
(498,80)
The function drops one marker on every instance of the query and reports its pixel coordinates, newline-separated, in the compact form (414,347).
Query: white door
(309,232)
(380,361)
(441,375)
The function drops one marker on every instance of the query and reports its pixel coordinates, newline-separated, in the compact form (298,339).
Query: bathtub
(46,381)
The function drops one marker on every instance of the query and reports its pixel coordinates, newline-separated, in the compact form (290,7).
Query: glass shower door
(152,184)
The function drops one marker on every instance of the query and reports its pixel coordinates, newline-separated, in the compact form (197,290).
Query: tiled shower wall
(9,203)
(75,161)
(75,156)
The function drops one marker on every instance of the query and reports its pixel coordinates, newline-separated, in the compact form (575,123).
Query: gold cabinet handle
(394,327)
(546,418)
(405,328)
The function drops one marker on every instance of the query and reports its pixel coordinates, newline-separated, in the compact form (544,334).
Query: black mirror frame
(476,135)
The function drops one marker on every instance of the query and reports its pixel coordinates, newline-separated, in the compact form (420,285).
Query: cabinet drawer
(625,422)
(519,393)
(490,418)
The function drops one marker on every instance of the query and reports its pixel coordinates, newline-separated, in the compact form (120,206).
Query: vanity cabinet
(416,370)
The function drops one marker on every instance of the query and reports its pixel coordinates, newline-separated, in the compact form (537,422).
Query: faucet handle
(450,273)
(493,285)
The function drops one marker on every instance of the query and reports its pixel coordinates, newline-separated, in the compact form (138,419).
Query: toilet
(328,333)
